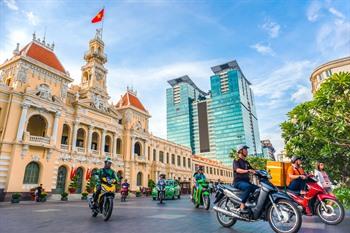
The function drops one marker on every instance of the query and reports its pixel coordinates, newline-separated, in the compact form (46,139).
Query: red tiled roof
(43,55)
(130,100)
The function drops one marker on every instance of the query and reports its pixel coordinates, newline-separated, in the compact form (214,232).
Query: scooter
(201,195)
(124,192)
(266,203)
(317,201)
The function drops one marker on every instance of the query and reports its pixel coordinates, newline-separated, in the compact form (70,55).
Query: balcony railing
(81,149)
(38,139)
(95,152)
(64,147)
(107,154)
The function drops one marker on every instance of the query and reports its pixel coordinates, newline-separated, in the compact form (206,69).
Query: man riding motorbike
(103,172)
(161,182)
(241,169)
(296,176)
(198,175)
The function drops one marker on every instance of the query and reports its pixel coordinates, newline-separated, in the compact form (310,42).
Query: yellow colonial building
(50,128)
(324,71)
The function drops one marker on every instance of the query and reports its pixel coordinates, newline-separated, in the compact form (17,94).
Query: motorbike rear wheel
(333,208)
(206,202)
(290,216)
(107,209)
(224,220)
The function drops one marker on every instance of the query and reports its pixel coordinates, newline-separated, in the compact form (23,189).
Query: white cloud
(263,49)
(11,4)
(32,18)
(313,11)
(272,28)
(334,37)
(301,95)
(284,79)
(336,13)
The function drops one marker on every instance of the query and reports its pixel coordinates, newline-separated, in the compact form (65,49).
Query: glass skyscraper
(215,122)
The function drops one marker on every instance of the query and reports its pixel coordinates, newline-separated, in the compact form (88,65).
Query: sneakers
(243,211)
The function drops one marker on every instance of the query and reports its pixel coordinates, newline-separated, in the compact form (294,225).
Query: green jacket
(103,172)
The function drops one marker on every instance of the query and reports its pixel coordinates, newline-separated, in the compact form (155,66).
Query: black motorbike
(266,203)
(161,192)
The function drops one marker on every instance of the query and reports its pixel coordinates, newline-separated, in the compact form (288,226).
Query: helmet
(108,160)
(295,158)
(241,146)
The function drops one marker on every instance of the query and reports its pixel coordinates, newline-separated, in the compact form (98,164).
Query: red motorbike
(124,192)
(317,201)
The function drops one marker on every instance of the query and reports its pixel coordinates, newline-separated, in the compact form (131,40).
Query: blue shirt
(199,176)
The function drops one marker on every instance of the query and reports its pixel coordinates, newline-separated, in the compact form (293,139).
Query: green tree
(319,130)
(151,184)
(258,163)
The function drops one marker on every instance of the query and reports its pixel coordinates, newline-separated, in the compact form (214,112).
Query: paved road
(139,215)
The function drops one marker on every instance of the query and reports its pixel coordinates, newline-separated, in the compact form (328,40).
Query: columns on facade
(55,127)
(114,150)
(74,138)
(146,150)
(90,138)
(132,147)
(22,121)
(103,142)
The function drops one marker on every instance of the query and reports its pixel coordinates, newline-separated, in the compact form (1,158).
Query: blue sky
(276,43)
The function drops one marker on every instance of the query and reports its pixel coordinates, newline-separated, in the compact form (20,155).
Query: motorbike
(124,192)
(201,194)
(317,201)
(266,203)
(161,192)
(105,199)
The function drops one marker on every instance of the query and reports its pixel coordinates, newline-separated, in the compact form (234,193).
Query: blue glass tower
(215,122)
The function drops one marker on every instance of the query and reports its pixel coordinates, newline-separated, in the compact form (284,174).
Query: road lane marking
(313,225)
(46,210)
(167,216)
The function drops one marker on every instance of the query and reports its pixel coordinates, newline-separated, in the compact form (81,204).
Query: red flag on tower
(98,17)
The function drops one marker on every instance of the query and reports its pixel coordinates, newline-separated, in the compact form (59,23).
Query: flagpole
(103,19)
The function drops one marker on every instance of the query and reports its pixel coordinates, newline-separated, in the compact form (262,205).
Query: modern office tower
(215,122)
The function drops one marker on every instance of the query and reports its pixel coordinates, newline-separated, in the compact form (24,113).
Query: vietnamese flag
(98,17)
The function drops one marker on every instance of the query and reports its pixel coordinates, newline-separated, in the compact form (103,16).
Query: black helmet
(295,158)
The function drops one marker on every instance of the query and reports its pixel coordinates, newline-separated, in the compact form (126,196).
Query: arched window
(80,138)
(94,141)
(137,148)
(107,143)
(119,146)
(31,174)
(37,126)
(65,135)
(139,179)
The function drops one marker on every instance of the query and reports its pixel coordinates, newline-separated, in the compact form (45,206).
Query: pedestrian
(322,177)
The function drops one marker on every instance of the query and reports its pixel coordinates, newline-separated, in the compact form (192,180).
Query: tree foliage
(319,130)
(258,163)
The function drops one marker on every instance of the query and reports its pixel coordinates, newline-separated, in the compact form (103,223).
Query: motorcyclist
(125,183)
(161,182)
(107,172)
(38,192)
(241,169)
(198,175)
(296,176)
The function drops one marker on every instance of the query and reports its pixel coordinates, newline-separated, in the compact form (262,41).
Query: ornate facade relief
(64,89)
(44,92)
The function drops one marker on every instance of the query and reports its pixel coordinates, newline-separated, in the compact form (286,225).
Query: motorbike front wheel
(287,219)
(206,202)
(107,209)
(330,211)
(224,220)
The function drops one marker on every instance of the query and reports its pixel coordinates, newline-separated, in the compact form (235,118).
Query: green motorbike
(201,195)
